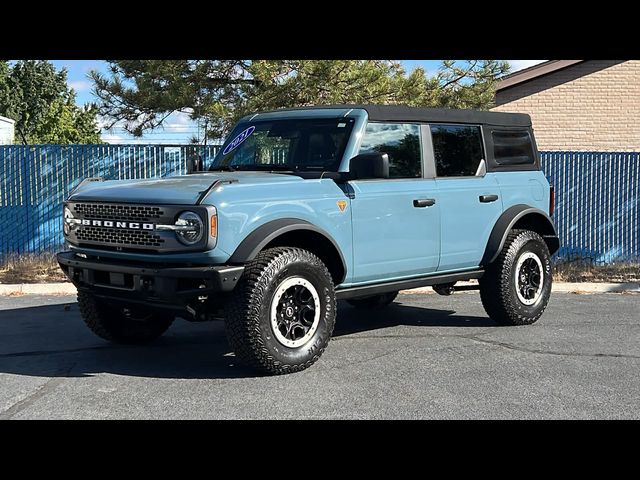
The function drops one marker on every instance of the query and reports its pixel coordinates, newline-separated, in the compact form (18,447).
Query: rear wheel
(373,301)
(121,324)
(516,287)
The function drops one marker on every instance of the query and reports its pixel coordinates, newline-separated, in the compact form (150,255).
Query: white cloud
(178,121)
(113,138)
(521,64)
(178,128)
(80,85)
(117,139)
(103,121)
(124,138)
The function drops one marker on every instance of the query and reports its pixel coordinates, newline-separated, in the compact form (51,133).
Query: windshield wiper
(222,168)
(263,166)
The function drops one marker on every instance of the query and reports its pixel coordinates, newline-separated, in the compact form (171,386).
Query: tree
(37,97)
(140,94)
(4,70)
(470,84)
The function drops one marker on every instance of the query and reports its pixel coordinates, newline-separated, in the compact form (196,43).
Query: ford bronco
(302,207)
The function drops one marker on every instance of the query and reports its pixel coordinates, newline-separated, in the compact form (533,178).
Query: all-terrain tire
(498,285)
(248,322)
(114,325)
(374,301)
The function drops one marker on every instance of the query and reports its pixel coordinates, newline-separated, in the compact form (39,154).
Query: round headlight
(190,228)
(66,225)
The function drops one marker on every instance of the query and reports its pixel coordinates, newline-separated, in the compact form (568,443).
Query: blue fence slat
(597,193)
(35,180)
(597,204)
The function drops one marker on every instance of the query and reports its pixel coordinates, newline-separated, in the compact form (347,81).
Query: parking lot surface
(427,356)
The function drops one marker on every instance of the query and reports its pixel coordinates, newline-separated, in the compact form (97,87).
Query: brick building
(588,105)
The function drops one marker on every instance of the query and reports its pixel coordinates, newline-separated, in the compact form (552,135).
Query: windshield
(291,144)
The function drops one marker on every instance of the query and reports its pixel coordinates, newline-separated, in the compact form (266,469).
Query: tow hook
(198,314)
(444,288)
(449,288)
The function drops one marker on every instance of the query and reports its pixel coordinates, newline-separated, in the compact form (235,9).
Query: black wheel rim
(295,312)
(529,278)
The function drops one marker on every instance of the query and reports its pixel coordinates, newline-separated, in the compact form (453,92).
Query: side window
(512,147)
(458,150)
(401,141)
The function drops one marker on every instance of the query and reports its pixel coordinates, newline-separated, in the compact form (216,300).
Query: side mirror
(369,165)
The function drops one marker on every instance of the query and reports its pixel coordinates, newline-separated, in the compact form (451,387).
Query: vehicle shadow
(52,341)
(352,320)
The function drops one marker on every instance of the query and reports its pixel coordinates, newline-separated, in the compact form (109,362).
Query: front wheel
(282,312)
(120,324)
(516,287)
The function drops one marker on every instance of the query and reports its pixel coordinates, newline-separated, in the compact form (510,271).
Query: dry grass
(585,272)
(41,268)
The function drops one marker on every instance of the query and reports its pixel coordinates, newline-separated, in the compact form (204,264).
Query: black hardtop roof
(402,113)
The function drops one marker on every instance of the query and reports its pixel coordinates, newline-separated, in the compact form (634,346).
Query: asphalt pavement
(425,357)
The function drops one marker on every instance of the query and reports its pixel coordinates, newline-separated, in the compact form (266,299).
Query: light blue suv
(303,207)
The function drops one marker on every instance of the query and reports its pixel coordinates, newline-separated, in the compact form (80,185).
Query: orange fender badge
(342,205)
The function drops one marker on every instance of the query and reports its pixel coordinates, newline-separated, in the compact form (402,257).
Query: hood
(179,190)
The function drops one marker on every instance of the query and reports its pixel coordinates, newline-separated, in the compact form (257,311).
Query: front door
(396,221)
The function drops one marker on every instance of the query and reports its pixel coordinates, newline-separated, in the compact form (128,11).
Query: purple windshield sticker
(242,136)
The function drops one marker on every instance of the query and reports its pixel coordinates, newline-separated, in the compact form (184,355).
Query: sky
(178,128)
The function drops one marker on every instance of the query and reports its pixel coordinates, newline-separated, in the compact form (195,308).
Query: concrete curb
(66,288)
(630,287)
(62,288)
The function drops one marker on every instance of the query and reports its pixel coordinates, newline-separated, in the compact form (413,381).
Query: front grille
(125,238)
(118,212)
(119,235)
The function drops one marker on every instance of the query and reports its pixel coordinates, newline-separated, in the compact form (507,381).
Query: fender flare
(264,234)
(505,223)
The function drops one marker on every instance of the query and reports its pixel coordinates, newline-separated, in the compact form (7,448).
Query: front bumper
(150,283)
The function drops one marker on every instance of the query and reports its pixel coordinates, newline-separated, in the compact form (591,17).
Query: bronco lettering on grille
(111,224)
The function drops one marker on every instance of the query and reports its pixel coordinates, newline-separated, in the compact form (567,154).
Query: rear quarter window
(513,147)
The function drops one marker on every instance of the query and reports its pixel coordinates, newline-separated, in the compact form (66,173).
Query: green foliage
(403,156)
(141,94)
(65,123)
(4,69)
(37,97)
(470,84)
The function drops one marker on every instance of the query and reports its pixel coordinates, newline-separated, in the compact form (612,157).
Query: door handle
(488,198)
(424,202)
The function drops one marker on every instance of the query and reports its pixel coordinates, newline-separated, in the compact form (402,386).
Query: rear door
(396,221)
(468,197)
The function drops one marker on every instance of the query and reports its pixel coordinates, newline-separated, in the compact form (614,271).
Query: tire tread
(495,284)
(242,324)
